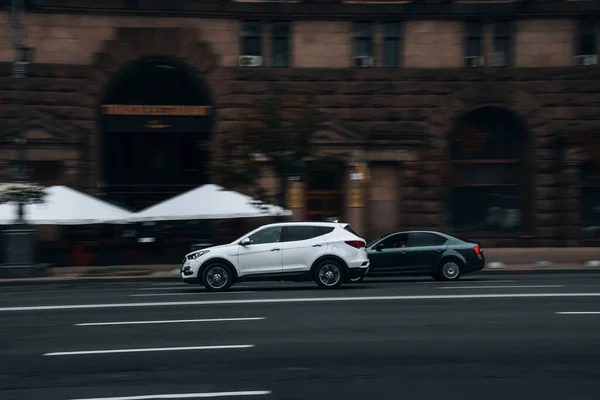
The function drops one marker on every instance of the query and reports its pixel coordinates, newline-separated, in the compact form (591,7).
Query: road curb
(77,280)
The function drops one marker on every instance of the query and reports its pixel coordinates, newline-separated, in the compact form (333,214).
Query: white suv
(329,253)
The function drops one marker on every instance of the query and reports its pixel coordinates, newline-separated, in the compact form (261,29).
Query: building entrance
(491,187)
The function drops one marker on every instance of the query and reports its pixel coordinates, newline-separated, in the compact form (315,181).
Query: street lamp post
(20,238)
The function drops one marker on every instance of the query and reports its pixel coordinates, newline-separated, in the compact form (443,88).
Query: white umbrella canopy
(66,206)
(208,202)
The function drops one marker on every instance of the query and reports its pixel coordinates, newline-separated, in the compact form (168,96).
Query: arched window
(490,189)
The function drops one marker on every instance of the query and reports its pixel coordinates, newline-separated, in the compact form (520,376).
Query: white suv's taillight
(357,244)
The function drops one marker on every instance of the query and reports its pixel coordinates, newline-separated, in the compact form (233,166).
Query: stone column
(71,173)
(296,199)
(384,200)
(411,175)
(571,183)
(356,201)
(5,170)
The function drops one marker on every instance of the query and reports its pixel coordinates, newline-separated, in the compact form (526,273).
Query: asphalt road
(523,336)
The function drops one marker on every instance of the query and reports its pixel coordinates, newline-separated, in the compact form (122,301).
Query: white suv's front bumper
(189,270)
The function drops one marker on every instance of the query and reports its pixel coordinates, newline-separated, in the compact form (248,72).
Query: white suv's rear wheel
(329,274)
(217,277)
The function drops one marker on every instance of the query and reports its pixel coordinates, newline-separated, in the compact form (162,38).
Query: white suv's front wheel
(217,277)
(329,274)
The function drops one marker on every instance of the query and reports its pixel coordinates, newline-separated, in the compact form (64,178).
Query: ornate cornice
(321,10)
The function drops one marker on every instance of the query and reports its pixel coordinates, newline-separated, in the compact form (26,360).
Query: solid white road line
(180,286)
(185,395)
(578,312)
(174,321)
(187,293)
(298,300)
(148,350)
(500,287)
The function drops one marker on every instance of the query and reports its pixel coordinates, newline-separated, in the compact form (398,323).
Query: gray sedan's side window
(422,239)
(395,241)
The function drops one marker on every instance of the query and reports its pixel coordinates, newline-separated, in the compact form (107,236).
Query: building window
(280,44)
(586,45)
(363,44)
(392,39)
(473,46)
(251,36)
(490,186)
(503,35)
(45,173)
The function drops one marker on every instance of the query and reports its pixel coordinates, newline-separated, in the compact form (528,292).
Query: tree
(270,136)
(24,193)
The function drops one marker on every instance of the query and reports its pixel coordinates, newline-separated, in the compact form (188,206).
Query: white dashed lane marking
(148,350)
(579,313)
(185,395)
(174,321)
(501,287)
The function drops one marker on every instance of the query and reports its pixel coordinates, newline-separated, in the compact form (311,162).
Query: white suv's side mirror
(245,242)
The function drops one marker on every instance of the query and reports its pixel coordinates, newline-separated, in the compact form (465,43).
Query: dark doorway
(157,120)
(324,198)
(490,191)
(590,196)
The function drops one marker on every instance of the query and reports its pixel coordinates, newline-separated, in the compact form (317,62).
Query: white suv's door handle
(275,249)
(317,245)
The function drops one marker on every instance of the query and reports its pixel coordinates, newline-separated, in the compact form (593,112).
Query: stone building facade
(479,118)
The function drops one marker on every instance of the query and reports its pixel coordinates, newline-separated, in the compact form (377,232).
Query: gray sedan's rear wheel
(450,270)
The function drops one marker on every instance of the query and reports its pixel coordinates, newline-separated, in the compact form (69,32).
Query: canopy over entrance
(66,206)
(208,202)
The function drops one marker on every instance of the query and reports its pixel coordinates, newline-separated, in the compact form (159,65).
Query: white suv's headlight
(193,256)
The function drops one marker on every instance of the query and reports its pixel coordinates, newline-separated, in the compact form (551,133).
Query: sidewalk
(499,260)
(543,255)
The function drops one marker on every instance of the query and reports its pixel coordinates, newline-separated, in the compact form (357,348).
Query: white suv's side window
(267,235)
(299,233)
